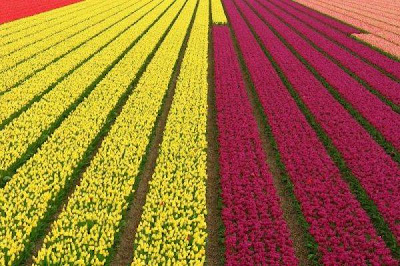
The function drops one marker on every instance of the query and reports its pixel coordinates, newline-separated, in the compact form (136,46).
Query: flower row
(381,30)
(360,9)
(375,58)
(376,79)
(36,186)
(251,206)
(57,55)
(316,16)
(38,20)
(86,228)
(29,26)
(12,10)
(381,116)
(370,164)
(172,230)
(365,18)
(23,131)
(47,36)
(337,222)
(217,12)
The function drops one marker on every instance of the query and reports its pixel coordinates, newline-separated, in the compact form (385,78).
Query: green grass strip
(213,128)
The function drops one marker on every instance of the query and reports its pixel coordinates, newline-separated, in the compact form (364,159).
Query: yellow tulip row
(16,137)
(23,70)
(16,98)
(27,197)
(42,20)
(172,230)
(29,45)
(93,214)
(218,13)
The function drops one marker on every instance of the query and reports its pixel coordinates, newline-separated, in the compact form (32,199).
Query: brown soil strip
(214,246)
(290,212)
(71,188)
(287,206)
(124,249)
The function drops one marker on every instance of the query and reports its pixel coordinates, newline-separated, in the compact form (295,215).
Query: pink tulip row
(377,41)
(389,6)
(256,232)
(379,28)
(375,170)
(375,58)
(370,11)
(369,24)
(371,75)
(363,15)
(342,229)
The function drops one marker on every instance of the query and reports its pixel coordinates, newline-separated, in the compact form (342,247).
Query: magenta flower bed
(371,75)
(337,222)
(376,171)
(381,116)
(374,57)
(256,232)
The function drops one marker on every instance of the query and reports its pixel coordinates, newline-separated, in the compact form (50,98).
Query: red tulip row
(340,226)
(371,165)
(256,232)
(16,9)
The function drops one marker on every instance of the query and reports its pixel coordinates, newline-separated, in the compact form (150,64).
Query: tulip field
(191,132)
